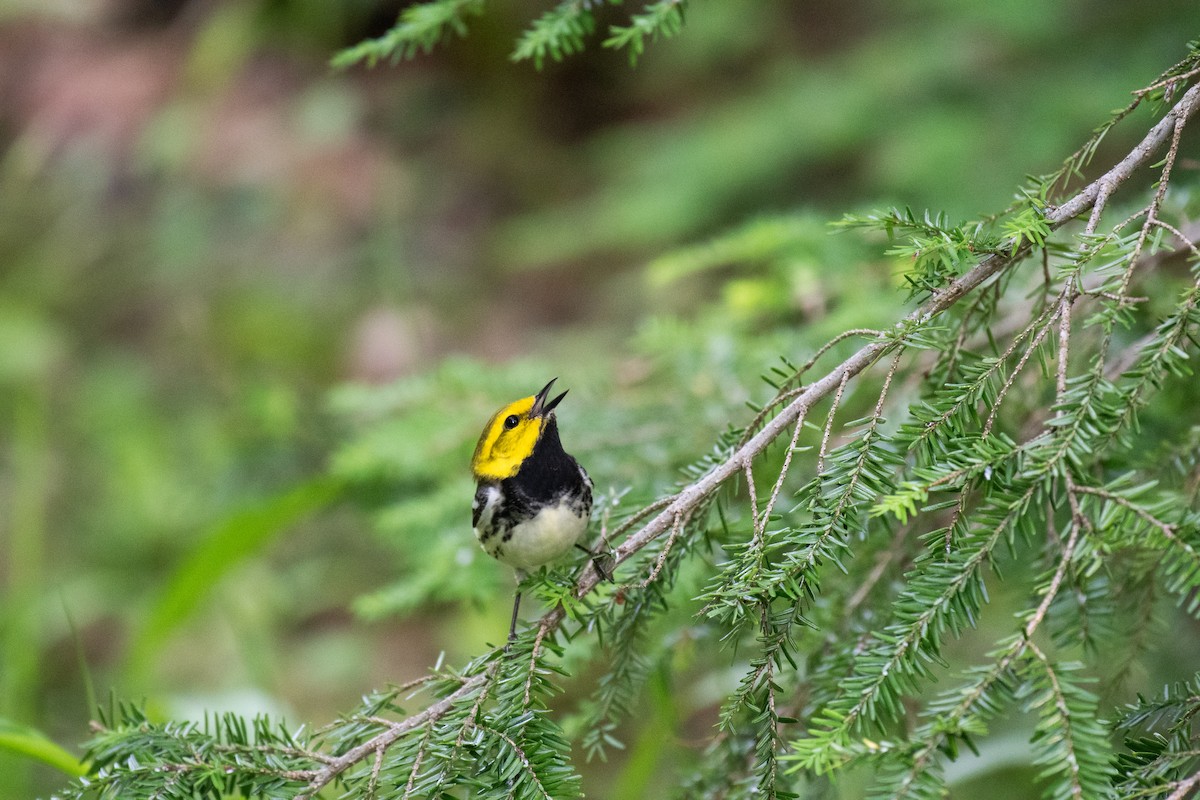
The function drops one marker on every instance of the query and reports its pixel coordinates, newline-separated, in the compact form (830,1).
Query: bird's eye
(511,421)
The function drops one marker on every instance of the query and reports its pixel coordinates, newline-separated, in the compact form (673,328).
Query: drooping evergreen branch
(1069,739)
(691,497)
(419,28)
(1162,755)
(488,729)
(1098,191)
(560,32)
(966,709)
(661,18)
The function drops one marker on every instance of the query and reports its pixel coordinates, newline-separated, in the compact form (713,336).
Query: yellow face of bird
(510,435)
(507,440)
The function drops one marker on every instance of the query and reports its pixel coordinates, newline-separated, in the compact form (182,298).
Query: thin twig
(1182,788)
(1060,703)
(1188,243)
(986,375)
(837,401)
(789,394)
(783,471)
(1167,530)
(524,761)
(1116,298)
(753,492)
(642,513)
(1160,194)
(887,383)
(1174,79)
(676,527)
(1086,199)
(412,773)
(825,348)
(1064,563)
(1102,194)
(534,653)
(1020,365)
(1064,339)
(959,509)
(486,681)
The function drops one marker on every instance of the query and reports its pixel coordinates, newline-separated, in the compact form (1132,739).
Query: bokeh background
(253,310)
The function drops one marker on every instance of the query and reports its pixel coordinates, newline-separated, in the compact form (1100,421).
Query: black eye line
(511,421)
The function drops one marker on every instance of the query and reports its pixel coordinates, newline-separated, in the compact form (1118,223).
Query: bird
(533,500)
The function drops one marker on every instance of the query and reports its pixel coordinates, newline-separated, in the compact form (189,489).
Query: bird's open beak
(540,407)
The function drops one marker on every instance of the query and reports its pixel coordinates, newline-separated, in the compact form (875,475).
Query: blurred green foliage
(227,272)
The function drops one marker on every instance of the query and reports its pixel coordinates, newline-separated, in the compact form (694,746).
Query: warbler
(532,499)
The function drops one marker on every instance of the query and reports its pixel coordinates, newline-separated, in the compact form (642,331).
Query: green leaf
(32,743)
(221,548)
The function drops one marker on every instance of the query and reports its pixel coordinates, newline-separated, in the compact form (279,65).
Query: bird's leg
(521,575)
(512,626)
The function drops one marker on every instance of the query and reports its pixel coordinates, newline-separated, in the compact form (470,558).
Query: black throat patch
(549,472)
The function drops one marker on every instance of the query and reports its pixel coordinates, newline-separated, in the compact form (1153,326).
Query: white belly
(547,537)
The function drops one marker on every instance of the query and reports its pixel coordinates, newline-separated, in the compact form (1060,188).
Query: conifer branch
(690,498)
(1042,325)
(833,407)
(420,26)
(676,528)
(381,742)
(933,738)
(495,702)
(789,392)
(1099,190)
(1066,733)
(1168,531)
(783,472)
(1181,789)
(1180,235)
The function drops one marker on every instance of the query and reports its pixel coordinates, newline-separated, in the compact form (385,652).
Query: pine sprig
(955,718)
(1071,744)
(1162,747)
(420,27)
(560,32)
(135,758)
(935,251)
(663,18)
(945,594)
